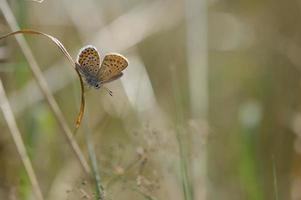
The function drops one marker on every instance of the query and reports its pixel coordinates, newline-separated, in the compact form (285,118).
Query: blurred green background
(208,108)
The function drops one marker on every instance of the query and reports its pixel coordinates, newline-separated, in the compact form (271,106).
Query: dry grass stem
(12,125)
(43,85)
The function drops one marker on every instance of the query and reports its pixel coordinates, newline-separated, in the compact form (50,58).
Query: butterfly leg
(108,90)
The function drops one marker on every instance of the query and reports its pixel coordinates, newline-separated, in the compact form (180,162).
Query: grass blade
(16,135)
(65,52)
(42,82)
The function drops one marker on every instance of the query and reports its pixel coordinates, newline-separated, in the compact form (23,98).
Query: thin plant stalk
(94,165)
(16,135)
(182,141)
(43,85)
(92,155)
(196,22)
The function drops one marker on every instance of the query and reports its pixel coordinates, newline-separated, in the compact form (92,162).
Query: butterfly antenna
(109,91)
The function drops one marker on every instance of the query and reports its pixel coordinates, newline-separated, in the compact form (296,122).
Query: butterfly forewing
(88,59)
(111,67)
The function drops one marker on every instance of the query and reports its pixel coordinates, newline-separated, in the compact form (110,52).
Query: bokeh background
(208,108)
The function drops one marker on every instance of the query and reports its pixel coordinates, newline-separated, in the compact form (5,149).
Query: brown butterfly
(95,74)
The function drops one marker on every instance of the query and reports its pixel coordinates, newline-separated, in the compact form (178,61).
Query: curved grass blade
(65,52)
(82,104)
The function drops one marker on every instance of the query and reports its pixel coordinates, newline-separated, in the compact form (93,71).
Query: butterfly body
(97,73)
(93,81)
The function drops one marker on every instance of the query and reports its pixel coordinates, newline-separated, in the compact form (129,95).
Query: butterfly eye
(97,85)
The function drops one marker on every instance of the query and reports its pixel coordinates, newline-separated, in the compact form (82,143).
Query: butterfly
(95,73)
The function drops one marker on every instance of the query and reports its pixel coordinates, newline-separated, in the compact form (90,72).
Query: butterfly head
(94,82)
(97,85)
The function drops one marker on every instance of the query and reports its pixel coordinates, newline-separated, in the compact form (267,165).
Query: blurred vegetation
(209,107)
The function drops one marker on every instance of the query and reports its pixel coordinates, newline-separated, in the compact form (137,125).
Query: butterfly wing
(113,78)
(88,60)
(111,67)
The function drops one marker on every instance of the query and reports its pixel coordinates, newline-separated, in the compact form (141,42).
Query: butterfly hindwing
(111,67)
(89,60)
(113,78)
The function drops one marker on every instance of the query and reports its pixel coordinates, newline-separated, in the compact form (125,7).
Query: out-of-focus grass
(183,139)
(253,56)
(248,171)
(24,190)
